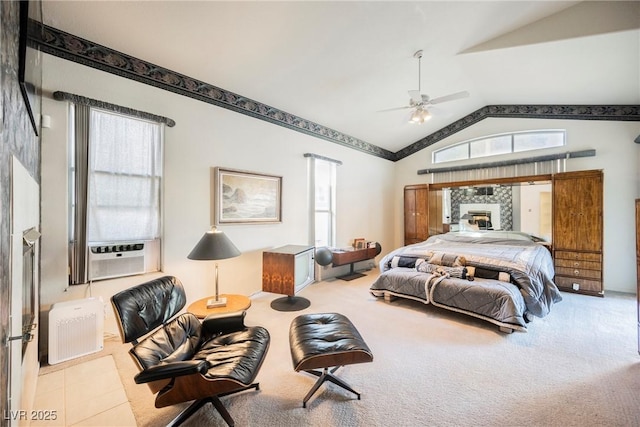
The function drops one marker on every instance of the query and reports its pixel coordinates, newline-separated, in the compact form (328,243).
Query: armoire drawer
(583,284)
(579,272)
(578,263)
(584,256)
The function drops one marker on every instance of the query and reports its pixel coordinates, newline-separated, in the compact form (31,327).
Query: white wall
(616,154)
(204,136)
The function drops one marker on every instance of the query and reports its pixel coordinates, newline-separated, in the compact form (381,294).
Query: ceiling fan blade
(394,109)
(415,96)
(438,112)
(452,97)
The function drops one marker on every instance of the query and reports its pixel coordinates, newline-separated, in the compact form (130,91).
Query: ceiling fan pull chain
(418,55)
(419,74)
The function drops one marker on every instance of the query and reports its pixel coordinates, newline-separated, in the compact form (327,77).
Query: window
(125,169)
(450,154)
(115,177)
(536,140)
(496,145)
(323,200)
(490,146)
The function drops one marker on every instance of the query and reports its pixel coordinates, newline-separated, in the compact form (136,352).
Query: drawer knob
(576,264)
(576,272)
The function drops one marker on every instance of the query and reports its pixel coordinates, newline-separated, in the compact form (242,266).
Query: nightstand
(234,303)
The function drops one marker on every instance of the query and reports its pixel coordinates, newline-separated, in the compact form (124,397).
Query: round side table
(234,303)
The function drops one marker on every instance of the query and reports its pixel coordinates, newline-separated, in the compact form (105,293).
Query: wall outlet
(576,286)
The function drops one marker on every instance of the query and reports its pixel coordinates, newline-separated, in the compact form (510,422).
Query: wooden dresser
(578,230)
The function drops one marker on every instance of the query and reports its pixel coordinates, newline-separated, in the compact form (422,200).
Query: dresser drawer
(579,272)
(578,263)
(583,284)
(584,256)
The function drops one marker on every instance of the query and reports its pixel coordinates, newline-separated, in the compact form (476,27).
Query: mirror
(506,206)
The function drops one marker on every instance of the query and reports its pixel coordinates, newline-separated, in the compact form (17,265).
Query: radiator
(75,329)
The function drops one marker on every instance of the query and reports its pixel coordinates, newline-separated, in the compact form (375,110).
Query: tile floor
(87,394)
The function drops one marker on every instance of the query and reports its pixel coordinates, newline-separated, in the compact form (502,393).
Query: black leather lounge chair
(182,358)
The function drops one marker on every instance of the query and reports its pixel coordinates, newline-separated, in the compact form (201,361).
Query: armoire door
(415,213)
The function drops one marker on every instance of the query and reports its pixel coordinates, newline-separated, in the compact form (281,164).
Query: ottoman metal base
(326,375)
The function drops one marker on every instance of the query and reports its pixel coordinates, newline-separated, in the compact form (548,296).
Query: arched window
(506,143)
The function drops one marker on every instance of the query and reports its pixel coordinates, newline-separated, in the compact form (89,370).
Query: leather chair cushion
(178,340)
(143,308)
(237,355)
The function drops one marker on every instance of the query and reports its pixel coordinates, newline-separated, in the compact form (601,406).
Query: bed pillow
(404,261)
(485,273)
(448,260)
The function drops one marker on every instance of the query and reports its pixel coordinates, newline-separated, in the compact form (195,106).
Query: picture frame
(30,62)
(359,243)
(242,197)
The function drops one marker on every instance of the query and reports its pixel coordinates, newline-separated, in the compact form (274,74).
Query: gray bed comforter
(509,304)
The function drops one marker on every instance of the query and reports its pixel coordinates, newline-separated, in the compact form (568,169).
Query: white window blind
(124,178)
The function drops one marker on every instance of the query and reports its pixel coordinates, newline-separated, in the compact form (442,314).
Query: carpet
(579,366)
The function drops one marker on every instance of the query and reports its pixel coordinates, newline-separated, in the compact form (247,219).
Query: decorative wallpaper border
(67,46)
(73,48)
(558,112)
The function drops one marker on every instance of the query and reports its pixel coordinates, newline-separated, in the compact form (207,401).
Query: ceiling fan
(421,103)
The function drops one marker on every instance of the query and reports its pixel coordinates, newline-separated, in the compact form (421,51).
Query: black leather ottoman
(323,341)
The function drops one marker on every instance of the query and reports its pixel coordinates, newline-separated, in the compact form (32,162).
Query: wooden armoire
(578,230)
(422,213)
(416,213)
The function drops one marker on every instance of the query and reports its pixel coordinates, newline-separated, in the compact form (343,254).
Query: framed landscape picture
(242,197)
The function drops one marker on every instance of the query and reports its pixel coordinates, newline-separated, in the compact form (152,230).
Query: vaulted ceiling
(339,63)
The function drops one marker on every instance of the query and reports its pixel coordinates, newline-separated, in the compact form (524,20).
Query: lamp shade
(214,245)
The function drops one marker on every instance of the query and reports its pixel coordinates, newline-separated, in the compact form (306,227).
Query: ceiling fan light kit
(419,116)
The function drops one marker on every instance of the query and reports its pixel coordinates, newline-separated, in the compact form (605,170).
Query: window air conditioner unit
(110,260)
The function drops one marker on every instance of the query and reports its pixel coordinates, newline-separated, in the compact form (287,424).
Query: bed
(506,279)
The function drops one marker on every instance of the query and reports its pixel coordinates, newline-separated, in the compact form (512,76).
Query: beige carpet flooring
(579,366)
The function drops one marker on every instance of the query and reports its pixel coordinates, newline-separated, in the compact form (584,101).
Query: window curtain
(125,169)
(79,147)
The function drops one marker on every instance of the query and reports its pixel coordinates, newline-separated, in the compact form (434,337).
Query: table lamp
(214,245)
